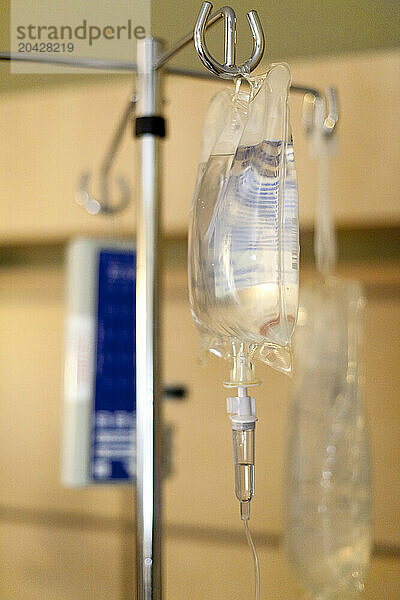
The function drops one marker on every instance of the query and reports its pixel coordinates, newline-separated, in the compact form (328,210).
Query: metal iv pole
(149,127)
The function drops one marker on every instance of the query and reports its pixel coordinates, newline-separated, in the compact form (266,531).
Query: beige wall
(58,544)
(49,136)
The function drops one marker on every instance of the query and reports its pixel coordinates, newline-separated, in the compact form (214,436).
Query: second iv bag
(328,505)
(243,244)
(328,500)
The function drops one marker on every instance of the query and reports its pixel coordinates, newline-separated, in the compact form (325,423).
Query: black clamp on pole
(150,124)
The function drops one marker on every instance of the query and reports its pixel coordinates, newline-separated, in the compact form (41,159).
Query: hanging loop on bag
(229,69)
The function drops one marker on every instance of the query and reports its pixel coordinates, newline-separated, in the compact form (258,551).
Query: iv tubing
(242,411)
(255,559)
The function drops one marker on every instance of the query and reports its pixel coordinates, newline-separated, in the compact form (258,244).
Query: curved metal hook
(229,69)
(331,107)
(333,110)
(103,205)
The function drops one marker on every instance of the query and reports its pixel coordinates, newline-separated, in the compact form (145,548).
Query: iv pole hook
(229,69)
(103,205)
(331,105)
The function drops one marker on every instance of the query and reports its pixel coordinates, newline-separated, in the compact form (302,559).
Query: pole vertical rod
(148,410)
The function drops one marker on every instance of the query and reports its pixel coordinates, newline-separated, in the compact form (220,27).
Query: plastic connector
(242,412)
(241,409)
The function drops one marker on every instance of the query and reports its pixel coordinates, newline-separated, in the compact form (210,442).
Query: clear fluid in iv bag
(244,245)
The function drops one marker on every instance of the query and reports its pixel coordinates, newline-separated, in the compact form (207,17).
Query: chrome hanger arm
(204,22)
(104,205)
(228,69)
(66,61)
(258,41)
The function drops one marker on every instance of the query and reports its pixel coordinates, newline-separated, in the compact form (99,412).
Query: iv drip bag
(328,500)
(243,239)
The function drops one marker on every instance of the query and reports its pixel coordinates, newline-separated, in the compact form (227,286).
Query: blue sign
(113,448)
